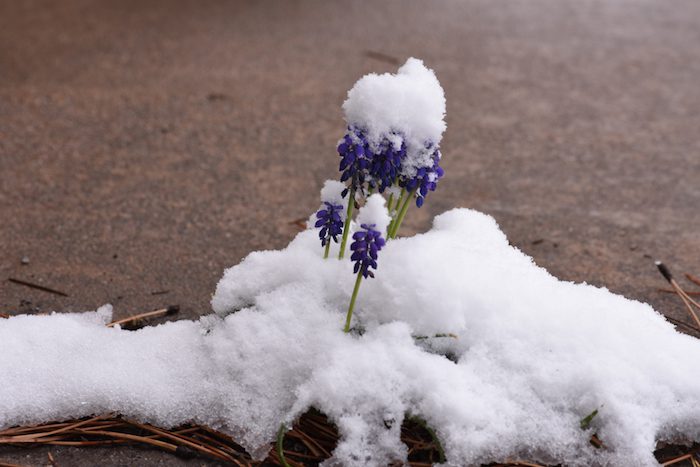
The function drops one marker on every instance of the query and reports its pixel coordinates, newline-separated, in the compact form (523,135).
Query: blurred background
(147,145)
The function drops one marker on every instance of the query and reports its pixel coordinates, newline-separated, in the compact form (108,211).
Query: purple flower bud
(330,221)
(365,247)
(425,178)
(355,159)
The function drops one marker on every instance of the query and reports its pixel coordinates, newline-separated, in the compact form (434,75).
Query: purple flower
(385,165)
(365,246)
(356,157)
(330,221)
(426,179)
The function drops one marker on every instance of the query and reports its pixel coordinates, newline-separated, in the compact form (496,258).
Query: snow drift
(532,357)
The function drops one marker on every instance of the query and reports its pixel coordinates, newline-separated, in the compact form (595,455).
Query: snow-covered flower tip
(395,125)
(425,178)
(378,167)
(410,103)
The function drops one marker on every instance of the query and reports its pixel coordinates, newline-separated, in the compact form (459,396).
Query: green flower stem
(328,248)
(401,196)
(346,227)
(280,447)
(391,211)
(401,214)
(352,300)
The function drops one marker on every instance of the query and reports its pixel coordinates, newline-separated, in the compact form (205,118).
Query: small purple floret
(365,247)
(386,165)
(330,222)
(426,179)
(356,157)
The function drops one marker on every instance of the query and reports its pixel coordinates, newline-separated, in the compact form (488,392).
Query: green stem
(391,212)
(328,248)
(402,214)
(346,227)
(280,447)
(401,196)
(352,300)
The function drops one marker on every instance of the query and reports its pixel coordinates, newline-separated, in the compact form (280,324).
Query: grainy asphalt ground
(146,146)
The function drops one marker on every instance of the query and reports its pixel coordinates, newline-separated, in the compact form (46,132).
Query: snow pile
(407,107)
(532,357)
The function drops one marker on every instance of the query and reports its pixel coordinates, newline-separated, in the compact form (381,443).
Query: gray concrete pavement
(146,146)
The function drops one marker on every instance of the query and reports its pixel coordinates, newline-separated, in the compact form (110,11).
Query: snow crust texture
(532,357)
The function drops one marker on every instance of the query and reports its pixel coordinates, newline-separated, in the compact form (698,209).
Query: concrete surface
(146,146)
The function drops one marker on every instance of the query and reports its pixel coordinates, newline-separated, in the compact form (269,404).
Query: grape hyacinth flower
(366,245)
(331,224)
(417,182)
(330,217)
(426,179)
(373,219)
(385,165)
(356,156)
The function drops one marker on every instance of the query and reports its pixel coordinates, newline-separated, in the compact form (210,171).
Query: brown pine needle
(685,294)
(687,301)
(70,427)
(691,293)
(141,439)
(663,269)
(678,459)
(171,310)
(685,325)
(36,286)
(182,440)
(692,278)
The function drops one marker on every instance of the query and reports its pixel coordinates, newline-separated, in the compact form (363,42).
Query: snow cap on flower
(374,212)
(332,193)
(408,105)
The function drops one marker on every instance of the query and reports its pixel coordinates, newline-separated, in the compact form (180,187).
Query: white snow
(374,212)
(409,104)
(332,193)
(534,355)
